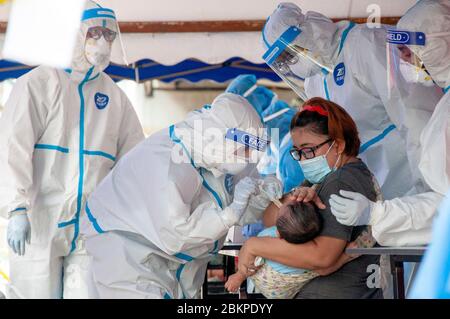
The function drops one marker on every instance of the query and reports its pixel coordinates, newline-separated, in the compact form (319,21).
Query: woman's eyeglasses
(307,152)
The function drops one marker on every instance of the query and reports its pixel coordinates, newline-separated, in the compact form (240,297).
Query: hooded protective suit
(165,208)
(408,220)
(347,65)
(61,132)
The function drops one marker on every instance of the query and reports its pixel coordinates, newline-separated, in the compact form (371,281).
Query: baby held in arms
(297,223)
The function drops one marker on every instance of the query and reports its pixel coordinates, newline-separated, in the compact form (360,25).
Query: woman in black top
(326,144)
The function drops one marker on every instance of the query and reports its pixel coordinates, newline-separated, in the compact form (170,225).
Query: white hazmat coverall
(155,221)
(356,57)
(408,220)
(60,134)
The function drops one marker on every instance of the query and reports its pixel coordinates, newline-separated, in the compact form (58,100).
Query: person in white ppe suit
(60,134)
(422,46)
(346,63)
(156,220)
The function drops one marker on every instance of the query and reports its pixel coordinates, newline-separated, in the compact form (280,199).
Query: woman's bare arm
(343,259)
(322,252)
(270,215)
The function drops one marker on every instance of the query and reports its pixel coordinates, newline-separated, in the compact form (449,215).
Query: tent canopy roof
(172,48)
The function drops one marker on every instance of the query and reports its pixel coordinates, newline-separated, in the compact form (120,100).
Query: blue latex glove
(252,230)
(278,128)
(241,84)
(260,98)
(291,174)
(19,232)
(268,163)
(281,122)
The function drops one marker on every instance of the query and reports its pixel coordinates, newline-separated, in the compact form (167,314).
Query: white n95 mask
(415,74)
(97,52)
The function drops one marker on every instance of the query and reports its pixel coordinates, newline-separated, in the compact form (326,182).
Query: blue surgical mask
(317,168)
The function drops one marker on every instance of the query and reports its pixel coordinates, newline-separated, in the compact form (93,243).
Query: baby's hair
(300,223)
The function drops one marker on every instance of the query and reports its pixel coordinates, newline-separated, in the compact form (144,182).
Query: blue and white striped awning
(191,70)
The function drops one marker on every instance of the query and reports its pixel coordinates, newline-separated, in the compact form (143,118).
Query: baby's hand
(234,282)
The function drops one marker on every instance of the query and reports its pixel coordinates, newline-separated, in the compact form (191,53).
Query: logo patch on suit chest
(229,184)
(101,100)
(339,74)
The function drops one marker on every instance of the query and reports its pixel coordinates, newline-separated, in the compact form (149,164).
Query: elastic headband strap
(315,108)
(98,13)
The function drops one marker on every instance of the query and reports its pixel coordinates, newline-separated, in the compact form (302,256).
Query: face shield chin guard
(292,63)
(244,147)
(104,18)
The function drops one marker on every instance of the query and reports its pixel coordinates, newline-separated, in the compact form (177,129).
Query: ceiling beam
(205,26)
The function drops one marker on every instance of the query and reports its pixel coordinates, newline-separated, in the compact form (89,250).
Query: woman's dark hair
(332,121)
(300,223)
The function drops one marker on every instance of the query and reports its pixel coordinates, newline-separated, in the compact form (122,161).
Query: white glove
(242,192)
(19,232)
(271,190)
(354,209)
(272,187)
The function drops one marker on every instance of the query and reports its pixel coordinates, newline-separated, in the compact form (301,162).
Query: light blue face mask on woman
(317,168)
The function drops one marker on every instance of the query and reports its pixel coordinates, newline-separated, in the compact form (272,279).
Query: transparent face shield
(245,147)
(401,59)
(293,63)
(404,66)
(118,52)
(411,92)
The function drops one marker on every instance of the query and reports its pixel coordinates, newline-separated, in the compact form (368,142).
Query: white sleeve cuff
(229,217)
(17,211)
(377,213)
